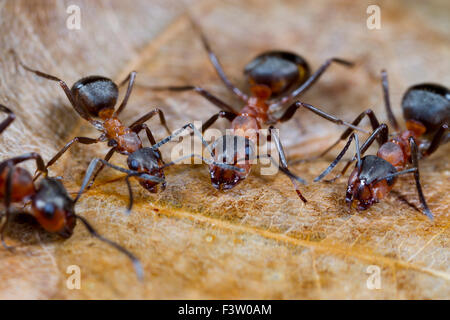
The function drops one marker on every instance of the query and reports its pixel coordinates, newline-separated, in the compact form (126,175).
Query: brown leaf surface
(258,240)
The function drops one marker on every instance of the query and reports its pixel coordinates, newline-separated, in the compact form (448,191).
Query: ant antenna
(136,263)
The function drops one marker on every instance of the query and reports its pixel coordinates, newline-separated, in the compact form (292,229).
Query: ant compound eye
(112,143)
(49,210)
(134,165)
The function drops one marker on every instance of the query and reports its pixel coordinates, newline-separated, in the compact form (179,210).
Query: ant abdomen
(428,104)
(95,94)
(21,183)
(279,70)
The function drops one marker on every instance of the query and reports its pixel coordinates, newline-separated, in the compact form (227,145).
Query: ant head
(231,150)
(53,208)
(278,70)
(362,187)
(427,104)
(96,94)
(147,160)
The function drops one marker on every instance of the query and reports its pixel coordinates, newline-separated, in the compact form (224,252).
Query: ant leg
(148,116)
(217,65)
(102,166)
(40,165)
(283,162)
(178,132)
(313,78)
(8,192)
(437,139)
(83,140)
(149,133)
(289,113)
(130,173)
(387,100)
(205,94)
(222,114)
(382,131)
(11,117)
(339,157)
(130,79)
(374,123)
(81,111)
(415,162)
(136,263)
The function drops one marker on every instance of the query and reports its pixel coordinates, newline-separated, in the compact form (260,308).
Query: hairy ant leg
(313,78)
(202,92)
(130,79)
(11,117)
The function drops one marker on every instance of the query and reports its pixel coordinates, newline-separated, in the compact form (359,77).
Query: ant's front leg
(283,162)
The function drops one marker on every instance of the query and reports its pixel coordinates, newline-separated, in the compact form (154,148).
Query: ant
(426,109)
(272,73)
(96,96)
(51,205)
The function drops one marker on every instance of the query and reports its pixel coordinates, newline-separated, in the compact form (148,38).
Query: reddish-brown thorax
(252,117)
(397,151)
(127,140)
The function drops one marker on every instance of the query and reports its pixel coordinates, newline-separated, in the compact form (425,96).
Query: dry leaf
(257,240)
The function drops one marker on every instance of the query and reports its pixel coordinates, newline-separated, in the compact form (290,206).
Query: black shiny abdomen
(427,103)
(278,70)
(95,93)
(374,167)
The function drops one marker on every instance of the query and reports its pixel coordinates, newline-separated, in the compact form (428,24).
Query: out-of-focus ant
(271,74)
(51,206)
(96,96)
(426,109)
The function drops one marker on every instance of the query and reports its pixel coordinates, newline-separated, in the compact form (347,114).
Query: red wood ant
(96,96)
(272,73)
(426,108)
(51,205)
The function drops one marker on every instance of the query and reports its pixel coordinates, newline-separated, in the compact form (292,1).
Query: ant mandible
(270,74)
(51,205)
(96,96)
(426,109)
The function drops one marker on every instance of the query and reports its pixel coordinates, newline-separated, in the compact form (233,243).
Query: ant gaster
(426,109)
(279,74)
(51,205)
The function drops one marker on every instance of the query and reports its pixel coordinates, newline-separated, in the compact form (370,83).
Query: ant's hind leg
(82,112)
(415,162)
(205,94)
(437,140)
(11,117)
(150,115)
(83,140)
(130,79)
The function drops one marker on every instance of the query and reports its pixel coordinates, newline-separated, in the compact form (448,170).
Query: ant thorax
(123,138)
